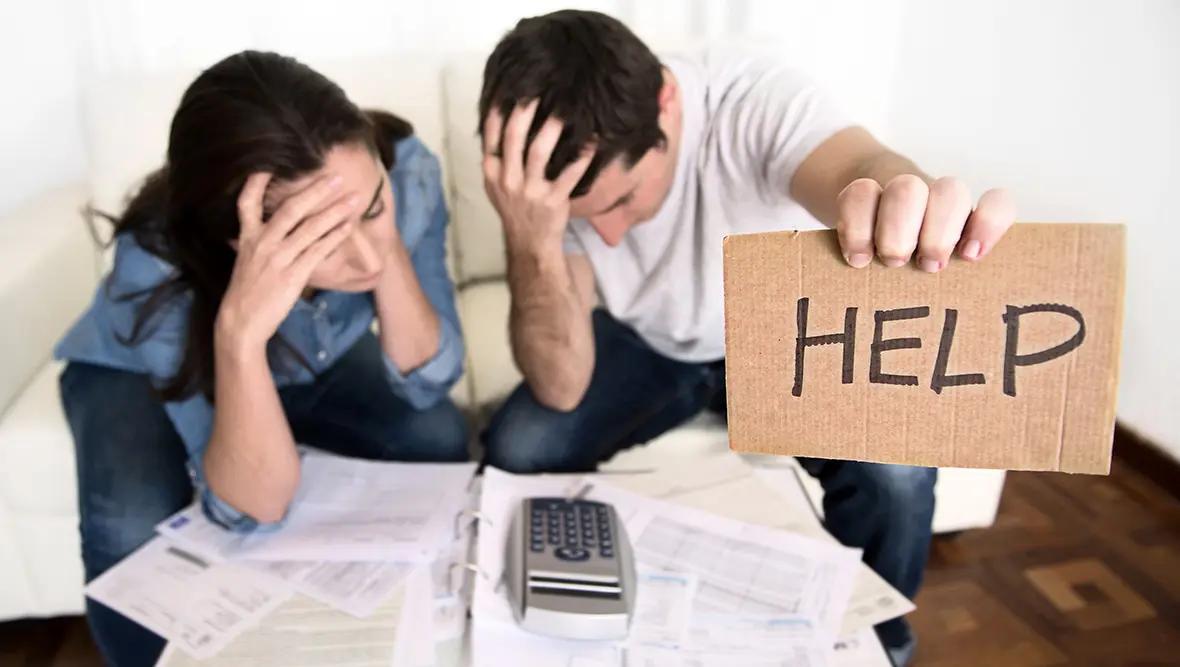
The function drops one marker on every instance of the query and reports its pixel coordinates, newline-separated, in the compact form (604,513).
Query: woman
(237,318)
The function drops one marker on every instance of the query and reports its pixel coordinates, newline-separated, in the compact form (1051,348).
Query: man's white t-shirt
(747,125)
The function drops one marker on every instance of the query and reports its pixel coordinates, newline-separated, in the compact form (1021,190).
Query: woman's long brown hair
(251,112)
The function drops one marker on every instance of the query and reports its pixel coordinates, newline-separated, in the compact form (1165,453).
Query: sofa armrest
(48,272)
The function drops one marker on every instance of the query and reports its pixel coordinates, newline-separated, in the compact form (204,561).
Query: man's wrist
(538,255)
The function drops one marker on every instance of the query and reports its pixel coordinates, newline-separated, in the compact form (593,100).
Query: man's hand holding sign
(1008,363)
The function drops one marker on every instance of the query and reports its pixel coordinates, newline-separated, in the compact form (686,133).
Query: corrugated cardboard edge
(725,267)
(1117,342)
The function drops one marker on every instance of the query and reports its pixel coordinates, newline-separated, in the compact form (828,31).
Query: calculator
(569,569)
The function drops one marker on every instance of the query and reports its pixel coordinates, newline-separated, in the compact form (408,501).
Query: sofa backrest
(127,118)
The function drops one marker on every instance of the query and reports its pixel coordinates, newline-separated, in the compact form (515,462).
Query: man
(615,177)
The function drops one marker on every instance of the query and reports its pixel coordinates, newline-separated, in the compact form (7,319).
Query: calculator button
(537,546)
(607,552)
(572,553)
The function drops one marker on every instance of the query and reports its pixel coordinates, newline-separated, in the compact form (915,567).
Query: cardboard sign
(1010,362)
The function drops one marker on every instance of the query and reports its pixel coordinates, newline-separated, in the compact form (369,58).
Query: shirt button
(322,355)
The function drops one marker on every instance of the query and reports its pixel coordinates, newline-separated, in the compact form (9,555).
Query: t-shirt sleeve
(769,118)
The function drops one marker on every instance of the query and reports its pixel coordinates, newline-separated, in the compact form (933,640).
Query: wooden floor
(1078,570)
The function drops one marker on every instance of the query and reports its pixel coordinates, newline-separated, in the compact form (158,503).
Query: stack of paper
(711,590)
(362,540)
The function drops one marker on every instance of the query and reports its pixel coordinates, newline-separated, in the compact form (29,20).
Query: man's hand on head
(533,209)
(908,219)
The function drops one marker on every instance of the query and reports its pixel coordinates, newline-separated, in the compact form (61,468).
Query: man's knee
(901,486)
(526,437)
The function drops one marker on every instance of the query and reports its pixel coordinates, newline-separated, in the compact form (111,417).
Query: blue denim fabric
(320,330)
(636,394)
(133,465)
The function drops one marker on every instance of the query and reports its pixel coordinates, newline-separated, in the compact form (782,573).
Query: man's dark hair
(589,70)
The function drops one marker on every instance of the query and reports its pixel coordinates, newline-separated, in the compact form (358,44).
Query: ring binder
(474,516)
(472,567)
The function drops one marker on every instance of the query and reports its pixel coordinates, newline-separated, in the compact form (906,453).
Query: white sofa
(49,267)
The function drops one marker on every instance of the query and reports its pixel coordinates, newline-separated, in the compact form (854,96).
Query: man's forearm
(552,339)
(251,461)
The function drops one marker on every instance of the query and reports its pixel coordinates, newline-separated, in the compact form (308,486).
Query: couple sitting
(237,320)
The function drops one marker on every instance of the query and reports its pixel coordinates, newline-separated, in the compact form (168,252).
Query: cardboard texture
(1010,362)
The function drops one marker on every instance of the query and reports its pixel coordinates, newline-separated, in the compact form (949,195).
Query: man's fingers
(299,206)
(515,132)
(899,218)
(988,223)
(250,204)
(493,126)
(947,209)
(313,228)
(542,149)
(318,251)
(856,211)
(568,179)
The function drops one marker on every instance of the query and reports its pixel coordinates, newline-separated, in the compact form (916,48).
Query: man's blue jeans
(132,470)
(636,394)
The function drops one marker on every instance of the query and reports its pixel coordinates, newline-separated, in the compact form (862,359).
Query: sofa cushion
(479,245)
(483,308)
(47,276)
(37,451)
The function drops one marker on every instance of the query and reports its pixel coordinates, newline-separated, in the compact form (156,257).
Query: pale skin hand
(881,204)
(251,461)
(552,293)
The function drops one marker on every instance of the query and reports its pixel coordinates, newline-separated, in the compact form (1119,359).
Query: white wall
(1075,106)
(41,143)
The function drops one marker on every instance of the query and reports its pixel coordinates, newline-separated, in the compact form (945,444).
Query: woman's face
(356,265)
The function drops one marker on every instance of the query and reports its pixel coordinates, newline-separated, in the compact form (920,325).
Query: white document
(648,657)
(742,568)
(873,599)
(307,633)
(663,608)
(768,495)
(197,605)
(764,587)
(346,510)
(859,649)
(449,603)
(357,588)
(415,633)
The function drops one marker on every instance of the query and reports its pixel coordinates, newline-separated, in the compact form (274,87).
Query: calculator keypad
(575,530)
